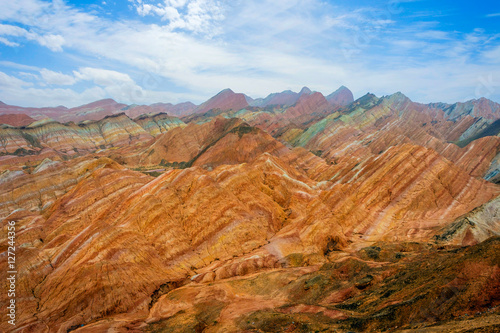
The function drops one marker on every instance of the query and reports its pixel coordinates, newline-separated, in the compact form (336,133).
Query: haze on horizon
(143,51)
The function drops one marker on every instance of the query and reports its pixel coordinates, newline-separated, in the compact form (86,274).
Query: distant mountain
(286,97)
(481,107)
(308,103)
(88,136)
(224,100)
(98,110)
(178,110)
(35,113)
(92,111)
(342,96)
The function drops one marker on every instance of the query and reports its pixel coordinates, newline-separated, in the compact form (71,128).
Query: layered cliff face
(34,190)
(78,139)
(70,138)
(157,123)
(371,125)
(94,111)
(185,144)
(303,217)
(118,225)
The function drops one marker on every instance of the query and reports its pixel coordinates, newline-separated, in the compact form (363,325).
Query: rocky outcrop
(475,226)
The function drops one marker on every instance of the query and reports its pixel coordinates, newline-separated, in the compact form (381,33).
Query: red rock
(249,233)
(225,100)
(16,119)
(342,96)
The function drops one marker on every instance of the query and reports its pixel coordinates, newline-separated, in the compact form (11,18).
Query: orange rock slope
(357,228)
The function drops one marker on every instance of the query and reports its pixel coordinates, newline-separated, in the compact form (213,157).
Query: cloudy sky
(70,52)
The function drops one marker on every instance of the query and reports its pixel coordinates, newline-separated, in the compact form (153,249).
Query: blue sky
(146,51)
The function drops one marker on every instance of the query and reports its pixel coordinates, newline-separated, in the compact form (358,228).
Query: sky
(72,52)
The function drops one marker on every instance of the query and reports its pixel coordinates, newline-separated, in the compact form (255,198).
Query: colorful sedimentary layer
(69,138)
(314,216)
(158,123)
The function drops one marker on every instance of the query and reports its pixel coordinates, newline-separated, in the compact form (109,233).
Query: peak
(312,96)
(398,97)
(399,94)
(305,90)
(484,100)
(105,101)
(2,103)
(341,89)
(368,98)
(226,91)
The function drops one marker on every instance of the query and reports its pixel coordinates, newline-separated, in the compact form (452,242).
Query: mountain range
(296,212)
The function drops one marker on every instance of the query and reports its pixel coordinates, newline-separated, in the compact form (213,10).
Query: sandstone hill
(294,213)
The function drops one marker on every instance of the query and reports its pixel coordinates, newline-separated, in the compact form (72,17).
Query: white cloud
(29,76)
(10,82)
(257,47)
(7,42)
(493,55)
(57,78)
(199,16)
(118,85)
(493,15)
(51,41)
(103,77)
(433,34)
(24,10)
(11,30)
(11,64)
